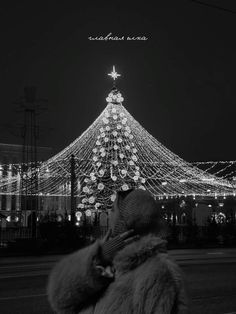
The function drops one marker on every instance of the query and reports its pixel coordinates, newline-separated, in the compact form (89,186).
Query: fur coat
(145,281)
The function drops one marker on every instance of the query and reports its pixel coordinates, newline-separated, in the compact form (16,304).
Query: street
(210,279)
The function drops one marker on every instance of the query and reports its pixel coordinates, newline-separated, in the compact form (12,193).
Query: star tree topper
(114,74)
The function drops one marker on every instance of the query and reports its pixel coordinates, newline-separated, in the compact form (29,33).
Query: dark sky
(179,84)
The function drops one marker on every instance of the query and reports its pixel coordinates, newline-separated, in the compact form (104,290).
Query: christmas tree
(115,159)
(117,153)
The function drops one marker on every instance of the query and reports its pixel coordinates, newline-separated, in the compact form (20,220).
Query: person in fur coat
(128,272)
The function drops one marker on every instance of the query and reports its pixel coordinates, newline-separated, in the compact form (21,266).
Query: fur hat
(138,210)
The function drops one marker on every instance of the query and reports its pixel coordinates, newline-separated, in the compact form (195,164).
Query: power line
(214,6)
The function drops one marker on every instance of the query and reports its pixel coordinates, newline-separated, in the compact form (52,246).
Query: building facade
(10,161)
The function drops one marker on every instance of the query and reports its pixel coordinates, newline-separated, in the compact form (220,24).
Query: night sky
(179,84)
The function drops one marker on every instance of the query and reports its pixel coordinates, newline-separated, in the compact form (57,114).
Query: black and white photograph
(118,157)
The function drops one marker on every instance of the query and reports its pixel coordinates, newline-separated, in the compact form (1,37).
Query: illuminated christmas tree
(115,159)
(117,153)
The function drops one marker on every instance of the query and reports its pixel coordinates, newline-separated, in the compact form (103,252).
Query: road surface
(210,277)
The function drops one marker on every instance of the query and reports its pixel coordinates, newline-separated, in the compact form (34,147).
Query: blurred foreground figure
(127,272)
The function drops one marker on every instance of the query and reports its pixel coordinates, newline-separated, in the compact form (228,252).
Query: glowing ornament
(135,178)
(119,126)
(122,114)
(100,186)
(78,214)
(124,171)
(113,197)
(95,150)
(119,140)
(131,162)
(101,130)
(97,205)
(101,172)
(102,149)
(124,121)
(91,199)
(85,189)
(122,156)
(103,134)
(106,139)
(103,154)
(114,133)
(107,115)
(105,120)
(88,213)
(127,147)
(115,117)
(115,147)
(131,137)
(126,134)
(114,178)
(108,128)
(125,187)
(113,110)
(84,200)
(98,143)
(134,157)
(115,162)
(134,150)
(95,158)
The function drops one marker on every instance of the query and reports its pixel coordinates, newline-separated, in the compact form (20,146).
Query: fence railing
(10,234)
(180,234)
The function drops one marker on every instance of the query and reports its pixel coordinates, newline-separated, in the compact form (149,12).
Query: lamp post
(73,182)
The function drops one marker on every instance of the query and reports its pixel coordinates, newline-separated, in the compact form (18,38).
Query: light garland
(117,153)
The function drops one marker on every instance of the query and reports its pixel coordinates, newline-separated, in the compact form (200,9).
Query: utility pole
(29,174)
(73,184)
(29,167)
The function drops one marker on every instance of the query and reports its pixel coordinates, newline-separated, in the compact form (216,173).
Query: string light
(117,153)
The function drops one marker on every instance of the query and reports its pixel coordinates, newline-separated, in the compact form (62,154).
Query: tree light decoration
(118,154)
(114,76)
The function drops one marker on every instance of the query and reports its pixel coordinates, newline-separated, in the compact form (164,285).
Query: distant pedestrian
(127,272)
